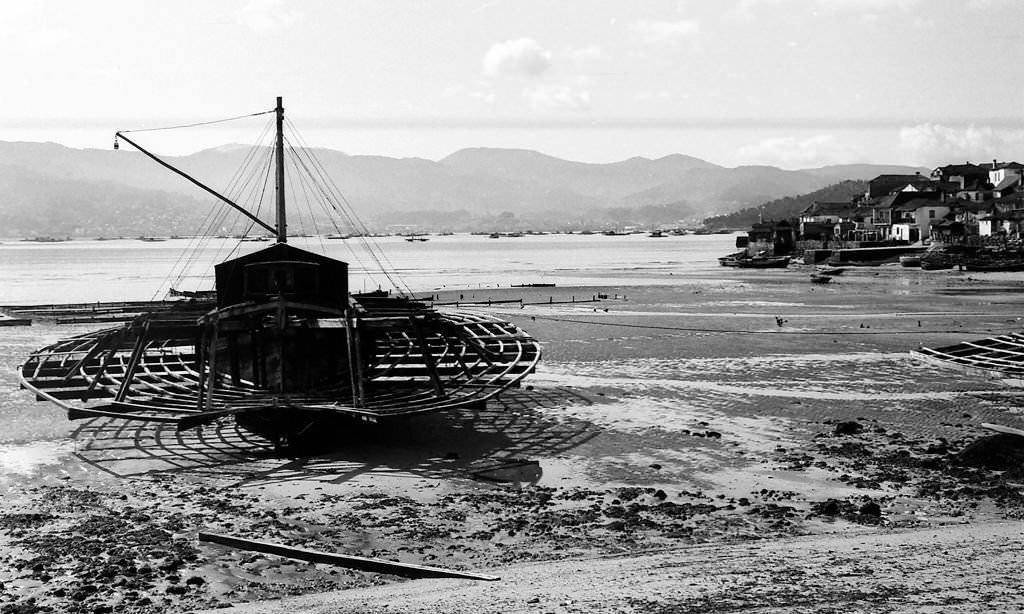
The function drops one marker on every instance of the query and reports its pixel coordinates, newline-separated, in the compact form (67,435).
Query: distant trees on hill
(787,207)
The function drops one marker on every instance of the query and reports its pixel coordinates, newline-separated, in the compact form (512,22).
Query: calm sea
(129,269)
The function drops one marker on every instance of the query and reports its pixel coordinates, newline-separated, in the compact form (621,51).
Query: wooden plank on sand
(999,428)
(407,570)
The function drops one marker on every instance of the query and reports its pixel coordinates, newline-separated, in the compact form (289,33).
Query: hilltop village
(972,209)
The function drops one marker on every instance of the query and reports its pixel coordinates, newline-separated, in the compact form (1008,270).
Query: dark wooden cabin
(280,324)
(284,270)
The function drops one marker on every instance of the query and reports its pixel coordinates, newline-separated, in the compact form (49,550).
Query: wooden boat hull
(772,262)
(391,357)
(993,267)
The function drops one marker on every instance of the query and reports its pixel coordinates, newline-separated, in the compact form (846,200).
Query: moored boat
(763,262)
(830,271)
(993,266)
(910,261)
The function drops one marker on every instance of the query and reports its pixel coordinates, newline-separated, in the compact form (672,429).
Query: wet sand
(683,417)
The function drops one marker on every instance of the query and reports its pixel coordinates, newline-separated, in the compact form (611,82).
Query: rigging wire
(307,199)
(247,180)
(214,218)
(314,180)
(196,124)
(307,178)
(362,234)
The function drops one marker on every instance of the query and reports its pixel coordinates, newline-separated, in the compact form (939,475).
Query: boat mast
(282,225)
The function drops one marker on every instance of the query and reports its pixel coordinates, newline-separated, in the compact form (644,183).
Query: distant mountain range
(49,189)
(787,207)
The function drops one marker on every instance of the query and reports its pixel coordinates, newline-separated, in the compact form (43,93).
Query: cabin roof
(241,279)
(280,252)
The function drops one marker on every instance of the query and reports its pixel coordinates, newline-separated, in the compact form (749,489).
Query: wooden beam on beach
(407,570)
(999,428)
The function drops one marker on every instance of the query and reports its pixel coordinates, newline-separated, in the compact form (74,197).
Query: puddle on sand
(812,484)
(21,460)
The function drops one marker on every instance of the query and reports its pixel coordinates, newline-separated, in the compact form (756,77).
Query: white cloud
(557,97)
(665,33)
(482,94)
(986,5)
(790,152)
(870,5)
(521,57)
(647,95)
(267,15)
(746,8)
(935,143)
(583,55)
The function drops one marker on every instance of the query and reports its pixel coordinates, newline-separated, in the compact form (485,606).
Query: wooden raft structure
(392,357)
(279,344)
(1000,357)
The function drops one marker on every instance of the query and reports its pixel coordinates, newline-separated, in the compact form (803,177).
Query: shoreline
(649,431)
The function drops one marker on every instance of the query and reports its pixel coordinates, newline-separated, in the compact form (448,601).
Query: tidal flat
(697,429)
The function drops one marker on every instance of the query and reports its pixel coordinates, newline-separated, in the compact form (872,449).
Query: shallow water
(128,269)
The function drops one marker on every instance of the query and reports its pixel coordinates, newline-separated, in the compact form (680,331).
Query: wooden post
(211,367)
(428,358)
(356,362)
(103,366)
(353,562)
(201,368)
(133,364)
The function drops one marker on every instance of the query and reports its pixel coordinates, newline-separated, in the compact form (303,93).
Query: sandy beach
(750,444)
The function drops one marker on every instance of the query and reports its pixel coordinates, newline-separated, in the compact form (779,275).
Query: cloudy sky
(791,83)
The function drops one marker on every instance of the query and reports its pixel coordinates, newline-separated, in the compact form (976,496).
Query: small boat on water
(763,262)
(732,259)
(412,238)
(46,240)
(657,234)
(830,271)
(994,266)
(936,265)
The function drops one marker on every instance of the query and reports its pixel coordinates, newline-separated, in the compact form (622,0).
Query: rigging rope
(214,219)
(362,231)
(196,124)
(314,182)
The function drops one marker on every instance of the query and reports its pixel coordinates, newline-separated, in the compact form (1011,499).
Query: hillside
(788,207)
(38,205)
(52,189)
